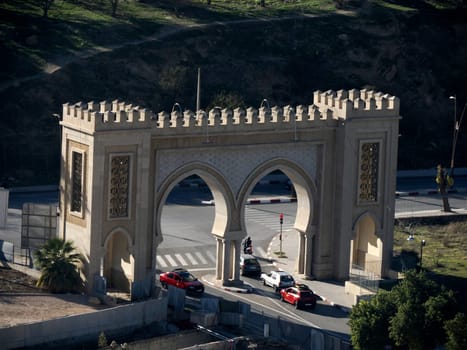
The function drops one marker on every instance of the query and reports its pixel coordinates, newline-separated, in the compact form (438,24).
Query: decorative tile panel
(237,163)
(369,163)
(76,182)
(119,186)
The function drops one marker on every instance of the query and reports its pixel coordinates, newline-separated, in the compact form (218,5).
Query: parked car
(299,296)
(181,278)
(249,265)
(277,279)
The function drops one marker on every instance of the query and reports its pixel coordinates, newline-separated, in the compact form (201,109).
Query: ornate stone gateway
(120,162)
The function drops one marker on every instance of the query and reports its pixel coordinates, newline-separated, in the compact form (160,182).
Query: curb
(247,290)
(333,304)
(427,192)
(326,300)
(259,201)
(272,200)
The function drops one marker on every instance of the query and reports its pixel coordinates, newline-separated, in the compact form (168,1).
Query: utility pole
(198,91)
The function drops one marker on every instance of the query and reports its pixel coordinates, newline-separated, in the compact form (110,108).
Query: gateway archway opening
(278,187)
(270,197)
(186,224)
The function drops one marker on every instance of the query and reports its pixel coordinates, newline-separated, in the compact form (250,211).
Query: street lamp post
(455,133)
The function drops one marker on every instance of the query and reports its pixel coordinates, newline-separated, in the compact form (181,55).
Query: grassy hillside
(416,52)
(444,255)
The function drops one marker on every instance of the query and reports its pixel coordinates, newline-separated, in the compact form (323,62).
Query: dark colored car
(249,265)
(181,278)
(299,296)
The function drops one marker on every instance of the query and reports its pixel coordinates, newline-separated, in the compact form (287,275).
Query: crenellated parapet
(105,115)
(357,103)
(327,108)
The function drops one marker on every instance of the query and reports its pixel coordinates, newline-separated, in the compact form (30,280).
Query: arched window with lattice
(368,172)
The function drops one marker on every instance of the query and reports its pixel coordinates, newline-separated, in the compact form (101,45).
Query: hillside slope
(418,56)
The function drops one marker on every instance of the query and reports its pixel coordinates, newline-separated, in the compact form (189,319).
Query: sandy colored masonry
(120,162)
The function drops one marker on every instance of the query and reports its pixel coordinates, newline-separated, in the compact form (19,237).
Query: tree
(46,4)
(114,4)
(456,330)
(444,181)
(423,307)
(403,317)
(102,341)
(369,322)
(226,99)
(57,261)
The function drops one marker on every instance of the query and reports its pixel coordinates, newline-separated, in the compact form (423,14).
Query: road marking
(161,261)
(171,261)
(180,258)
(191,258)
(288,313)
(201,257)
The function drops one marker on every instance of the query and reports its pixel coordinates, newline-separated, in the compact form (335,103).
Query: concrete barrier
(78,328)
(180,340)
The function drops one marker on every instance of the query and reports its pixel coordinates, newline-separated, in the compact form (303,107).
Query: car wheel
(164,285)
(297,305)
(281,297)
(264,282)
(276,289)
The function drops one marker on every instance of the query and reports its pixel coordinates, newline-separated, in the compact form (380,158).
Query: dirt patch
(13,281)
(22,302)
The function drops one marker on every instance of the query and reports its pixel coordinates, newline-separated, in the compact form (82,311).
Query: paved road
(188,242)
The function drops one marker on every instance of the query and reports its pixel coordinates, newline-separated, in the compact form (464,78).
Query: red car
(299,296)
(181,278)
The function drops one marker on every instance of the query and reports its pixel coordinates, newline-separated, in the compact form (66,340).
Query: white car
(277,279)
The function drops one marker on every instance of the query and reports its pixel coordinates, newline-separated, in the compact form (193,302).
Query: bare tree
(444,181)
(114,4)
(45,4)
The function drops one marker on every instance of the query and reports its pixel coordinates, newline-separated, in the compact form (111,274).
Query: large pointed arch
(221,191)
(305,189)
(306,219)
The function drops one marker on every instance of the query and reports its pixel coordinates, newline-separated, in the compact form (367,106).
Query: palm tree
(57,261)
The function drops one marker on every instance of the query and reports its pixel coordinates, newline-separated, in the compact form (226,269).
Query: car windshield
(287,278)
(251,262)
(305,294)
(187,277)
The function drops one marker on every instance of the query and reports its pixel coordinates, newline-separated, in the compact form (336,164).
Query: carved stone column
(308,256)
(227,261)
(305,253)
(236,262)
(220,258)
(301,253)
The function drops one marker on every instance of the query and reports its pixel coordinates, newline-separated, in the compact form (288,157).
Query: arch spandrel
(235,163)
(220,189)
(304,185)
